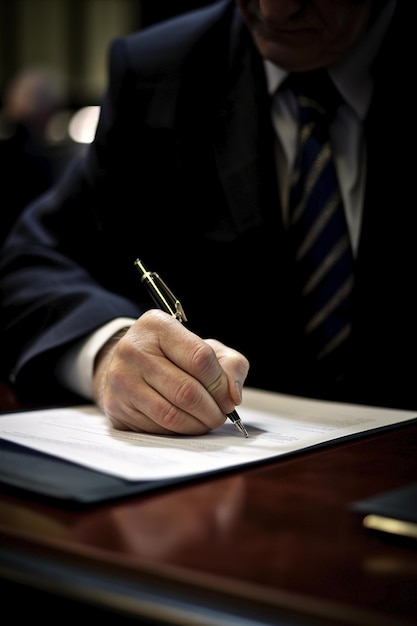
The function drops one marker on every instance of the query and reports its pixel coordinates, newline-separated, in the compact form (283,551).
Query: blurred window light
(82,126)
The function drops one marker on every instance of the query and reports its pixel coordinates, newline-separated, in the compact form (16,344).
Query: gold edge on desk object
(390,525)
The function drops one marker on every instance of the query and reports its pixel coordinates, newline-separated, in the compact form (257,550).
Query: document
(277,425)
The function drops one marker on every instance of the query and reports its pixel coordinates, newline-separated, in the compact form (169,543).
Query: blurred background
(70,37)
(53,57)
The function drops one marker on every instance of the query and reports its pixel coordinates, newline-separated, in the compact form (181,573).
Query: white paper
(277,425)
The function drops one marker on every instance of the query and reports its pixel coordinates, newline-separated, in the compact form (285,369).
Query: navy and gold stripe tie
(318,228)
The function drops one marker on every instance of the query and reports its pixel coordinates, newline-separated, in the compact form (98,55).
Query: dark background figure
(27,164)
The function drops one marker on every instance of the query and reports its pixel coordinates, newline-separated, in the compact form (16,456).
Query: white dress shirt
(353,79)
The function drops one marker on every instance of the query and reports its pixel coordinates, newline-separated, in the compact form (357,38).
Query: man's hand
(161,378)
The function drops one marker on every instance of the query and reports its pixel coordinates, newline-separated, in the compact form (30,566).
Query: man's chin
(288,58)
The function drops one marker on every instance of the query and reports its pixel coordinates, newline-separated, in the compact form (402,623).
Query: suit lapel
(240,131)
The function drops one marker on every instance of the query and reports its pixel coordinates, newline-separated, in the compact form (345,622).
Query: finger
(179,402)
(156,415)
(235,366)
(197,357)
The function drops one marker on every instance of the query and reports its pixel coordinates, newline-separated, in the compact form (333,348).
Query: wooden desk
(276,544)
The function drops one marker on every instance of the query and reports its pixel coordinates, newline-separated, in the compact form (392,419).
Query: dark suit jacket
(182,175)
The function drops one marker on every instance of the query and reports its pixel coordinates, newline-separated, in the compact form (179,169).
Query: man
(183,174)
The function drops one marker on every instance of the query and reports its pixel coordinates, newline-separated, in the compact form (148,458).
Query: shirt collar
(351,75)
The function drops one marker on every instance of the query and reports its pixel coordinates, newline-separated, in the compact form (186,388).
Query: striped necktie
(318,228)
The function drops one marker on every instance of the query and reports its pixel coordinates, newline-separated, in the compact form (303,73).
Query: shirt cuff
(75,368)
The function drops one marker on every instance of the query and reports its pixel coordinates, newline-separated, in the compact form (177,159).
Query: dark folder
(50,477)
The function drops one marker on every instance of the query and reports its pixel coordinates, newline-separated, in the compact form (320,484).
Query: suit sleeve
(61,274)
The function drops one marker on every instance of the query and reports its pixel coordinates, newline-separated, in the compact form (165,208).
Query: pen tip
(234,416)
(242,429)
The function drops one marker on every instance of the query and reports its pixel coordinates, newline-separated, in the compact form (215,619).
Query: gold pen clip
(172,304)
(161,293)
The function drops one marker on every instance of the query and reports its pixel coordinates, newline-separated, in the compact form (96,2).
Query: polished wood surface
(270,541)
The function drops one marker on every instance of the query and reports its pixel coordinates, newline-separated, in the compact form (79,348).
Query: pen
(165,300)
